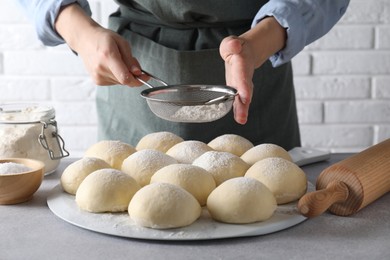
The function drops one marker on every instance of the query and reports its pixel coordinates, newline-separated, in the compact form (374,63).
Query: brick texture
(381,87)
(342,81)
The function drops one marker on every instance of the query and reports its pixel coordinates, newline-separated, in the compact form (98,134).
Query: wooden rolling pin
(351,184)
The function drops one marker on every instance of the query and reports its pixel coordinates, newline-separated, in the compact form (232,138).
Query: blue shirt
(304,20)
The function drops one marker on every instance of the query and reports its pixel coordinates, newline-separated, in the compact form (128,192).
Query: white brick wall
(342,81)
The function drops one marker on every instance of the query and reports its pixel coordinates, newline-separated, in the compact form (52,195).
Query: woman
(247,45)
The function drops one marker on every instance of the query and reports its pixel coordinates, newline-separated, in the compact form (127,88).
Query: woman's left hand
(243,54)
(239,69)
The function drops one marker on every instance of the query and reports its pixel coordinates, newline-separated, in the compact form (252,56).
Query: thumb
(229,46)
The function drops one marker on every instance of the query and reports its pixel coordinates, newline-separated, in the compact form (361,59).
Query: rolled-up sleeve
(44,13)
(305,21)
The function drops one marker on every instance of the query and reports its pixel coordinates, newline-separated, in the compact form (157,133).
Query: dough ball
(193,179)
(188,151)
(231,143)
(160,141)
(76,172)
(241,200)
(222,165)
(285,179)
(164,205)
(106,190)
(262,151)
(143,164)
(113,152)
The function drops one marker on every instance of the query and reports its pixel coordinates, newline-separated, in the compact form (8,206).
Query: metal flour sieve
(188,103)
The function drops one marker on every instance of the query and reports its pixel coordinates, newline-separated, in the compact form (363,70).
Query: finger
(127,57)
(132,64)
(117,67)
(229,46)
(242,102)
(102,76)
(244,90)
(104,79)
(140,74)
(240,111)
(118,63)
(240,78)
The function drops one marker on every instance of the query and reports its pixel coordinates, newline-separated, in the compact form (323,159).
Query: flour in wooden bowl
(13,168)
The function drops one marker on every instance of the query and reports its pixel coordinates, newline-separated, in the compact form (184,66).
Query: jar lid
(25,113)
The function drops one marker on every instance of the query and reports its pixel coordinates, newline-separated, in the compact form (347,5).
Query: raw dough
(231,143)
(193,179)
(222,165)
(160,141)
(241,200)
(106,190)
(188,151)
(263,151)
(164,205)
(285,179)
(113,152)
(143,164)
(76,172)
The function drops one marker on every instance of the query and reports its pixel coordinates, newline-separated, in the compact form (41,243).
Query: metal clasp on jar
(56,150)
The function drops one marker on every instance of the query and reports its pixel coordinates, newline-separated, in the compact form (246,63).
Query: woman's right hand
(106,55)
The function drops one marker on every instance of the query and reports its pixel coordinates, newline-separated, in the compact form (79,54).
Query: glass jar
(30,131)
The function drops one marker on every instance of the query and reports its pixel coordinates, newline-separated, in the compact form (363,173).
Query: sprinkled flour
(200,113)
(13,168)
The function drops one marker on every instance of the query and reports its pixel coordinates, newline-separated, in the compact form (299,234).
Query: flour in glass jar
(13,168)
(21,140)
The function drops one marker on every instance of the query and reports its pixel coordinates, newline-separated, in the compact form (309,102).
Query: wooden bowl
(20,187)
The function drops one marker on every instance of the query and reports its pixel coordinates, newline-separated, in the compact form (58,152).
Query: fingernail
(135,69)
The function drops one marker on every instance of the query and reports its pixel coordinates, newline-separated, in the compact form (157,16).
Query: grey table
(31,231)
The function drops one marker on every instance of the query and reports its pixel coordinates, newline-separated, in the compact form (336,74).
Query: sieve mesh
(190,103)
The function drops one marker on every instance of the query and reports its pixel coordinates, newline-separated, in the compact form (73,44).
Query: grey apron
(180,45)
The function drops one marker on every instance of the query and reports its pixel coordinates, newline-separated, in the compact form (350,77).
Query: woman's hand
(108,59)
(106,55)
(239,69)
(243,54)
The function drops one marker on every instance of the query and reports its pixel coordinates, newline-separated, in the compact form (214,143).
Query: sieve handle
(220,99)
(153,77)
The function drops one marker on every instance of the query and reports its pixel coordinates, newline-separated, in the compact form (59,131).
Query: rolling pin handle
(315,203)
